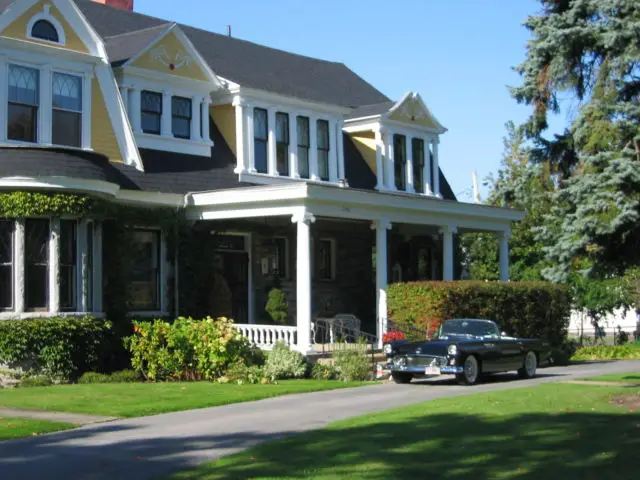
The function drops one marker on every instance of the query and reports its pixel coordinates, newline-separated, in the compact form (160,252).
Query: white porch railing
(266,336)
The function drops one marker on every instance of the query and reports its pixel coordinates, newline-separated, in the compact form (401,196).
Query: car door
(491,355)
(512,354)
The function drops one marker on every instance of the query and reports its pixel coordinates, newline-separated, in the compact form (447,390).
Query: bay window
(181,117)
(146,271)
(323,149)
(399,161)
(304,142)
(282,143)
(260,138)
(67,110)
(151,111)
(37,235)
(417,155)
(24,100)
(6,264)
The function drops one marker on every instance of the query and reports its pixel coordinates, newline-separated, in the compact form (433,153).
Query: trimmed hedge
(630,351)
(62,348)
(523,309)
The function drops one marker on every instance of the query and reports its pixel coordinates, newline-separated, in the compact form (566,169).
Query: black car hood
(433,347)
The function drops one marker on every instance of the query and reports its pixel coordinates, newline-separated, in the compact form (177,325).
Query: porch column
(503,238)
(436,169)
(379,158)
(304,220)
(381,227)
(54,266)
(447,232)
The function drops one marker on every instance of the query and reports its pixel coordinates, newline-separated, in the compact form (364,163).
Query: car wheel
(471,371)
(401,377)
(529,367)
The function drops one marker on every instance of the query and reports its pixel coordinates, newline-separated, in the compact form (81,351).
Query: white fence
(266,336)
(581,322)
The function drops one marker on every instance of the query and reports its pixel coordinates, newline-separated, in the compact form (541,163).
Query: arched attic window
(44,30)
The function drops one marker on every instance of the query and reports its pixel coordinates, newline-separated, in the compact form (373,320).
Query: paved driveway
(150,447)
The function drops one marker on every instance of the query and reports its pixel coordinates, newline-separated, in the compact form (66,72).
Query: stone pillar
(54,266)
(166,128)
(503,238)
(447,232)
(381,228)
(272,160)
(304,219)
(379,159)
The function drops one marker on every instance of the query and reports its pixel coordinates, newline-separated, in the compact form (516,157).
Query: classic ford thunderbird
(466,348)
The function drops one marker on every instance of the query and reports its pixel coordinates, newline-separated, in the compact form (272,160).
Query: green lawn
(139,399)
(632,377)
(555,431)
(12,428)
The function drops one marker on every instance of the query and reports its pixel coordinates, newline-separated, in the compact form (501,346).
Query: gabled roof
(371,110)
(246,63)
(121,48)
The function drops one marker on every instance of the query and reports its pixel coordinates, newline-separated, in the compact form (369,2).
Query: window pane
(323,164)
(151,123)
(260,126)
(282,153)
(151,105)
(66,129)
(22,123)
(303,131)
(181,107)
(68,267)
(45,31)
(23,85)
(418,164)
(146,271)
(303,162)
(323,134)
(260,154)
(6,264)
(36,263)
(399,161)
(67,92)
(282,128)
(181,127)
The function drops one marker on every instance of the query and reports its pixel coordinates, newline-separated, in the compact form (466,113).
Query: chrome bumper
(446,370)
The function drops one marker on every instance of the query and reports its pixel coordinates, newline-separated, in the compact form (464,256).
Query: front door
(231,286)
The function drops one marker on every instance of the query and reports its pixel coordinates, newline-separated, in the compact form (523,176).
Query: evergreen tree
(589,49)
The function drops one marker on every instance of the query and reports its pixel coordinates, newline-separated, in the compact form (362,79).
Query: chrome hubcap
(471,369)
(530,363)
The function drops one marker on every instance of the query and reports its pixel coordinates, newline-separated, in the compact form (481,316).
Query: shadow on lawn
(452,446)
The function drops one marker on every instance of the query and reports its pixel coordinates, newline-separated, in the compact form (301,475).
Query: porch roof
(338,202)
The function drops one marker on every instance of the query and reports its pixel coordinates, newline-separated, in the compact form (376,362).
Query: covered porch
(332,250)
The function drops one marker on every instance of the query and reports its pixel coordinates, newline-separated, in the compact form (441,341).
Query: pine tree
(589,49)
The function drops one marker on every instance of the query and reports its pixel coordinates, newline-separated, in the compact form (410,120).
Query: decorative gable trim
(160,55)
(412,106)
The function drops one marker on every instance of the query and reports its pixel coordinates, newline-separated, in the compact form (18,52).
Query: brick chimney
(124,4)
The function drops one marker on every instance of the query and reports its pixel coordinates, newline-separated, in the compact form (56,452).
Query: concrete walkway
(152,447)
(75,418)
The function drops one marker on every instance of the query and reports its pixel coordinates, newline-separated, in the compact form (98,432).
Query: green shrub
(186,349)
(242,373)
(562,354)
(123,376)
(608,352)
(283,363)
(523,309)
(277,306)
(61,348)
(324,372)
(36,381)
(353,365)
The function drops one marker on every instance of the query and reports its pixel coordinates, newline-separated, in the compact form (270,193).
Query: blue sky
(457,54)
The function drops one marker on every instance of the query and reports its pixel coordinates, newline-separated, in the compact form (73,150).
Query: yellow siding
(103,136)
(224,117)
(366,144)
(18,29)
(175,53)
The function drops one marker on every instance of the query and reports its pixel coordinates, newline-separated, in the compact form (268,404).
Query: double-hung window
(68,267)
(417,155)
(6,264)
(151,110)
(260,136)
(67,110)
(146,270)
(303,146)
(37,234)
(323,149)
(400,161)
(24,101)
(181,117)
(282,143)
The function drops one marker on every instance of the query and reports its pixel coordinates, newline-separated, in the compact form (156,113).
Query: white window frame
(46,16)
(53,308)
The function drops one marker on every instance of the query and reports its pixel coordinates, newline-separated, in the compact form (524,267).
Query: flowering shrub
(283,363)
(186,349)
(392,336)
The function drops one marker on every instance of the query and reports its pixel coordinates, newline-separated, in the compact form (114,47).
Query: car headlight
(387,348)
(452,350)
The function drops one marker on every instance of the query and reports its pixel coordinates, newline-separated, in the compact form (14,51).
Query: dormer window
(24,100)
(181,117)
(260,132)
(67,110)
(151,112)
(303,146)
(282,143)
(417,155)
(44,30)
(400,161)
(323,149)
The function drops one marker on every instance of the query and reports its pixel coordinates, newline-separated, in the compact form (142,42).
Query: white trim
(150,198)
(47,17)
(45,314)
(59,183)
(173,144)
(54,265)
(82,266)
(415,97)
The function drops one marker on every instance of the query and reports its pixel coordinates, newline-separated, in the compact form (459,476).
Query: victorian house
(294,171)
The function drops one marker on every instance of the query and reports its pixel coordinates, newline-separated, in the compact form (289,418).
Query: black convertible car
(466,348)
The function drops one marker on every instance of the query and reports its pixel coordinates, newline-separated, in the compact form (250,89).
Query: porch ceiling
(337,202)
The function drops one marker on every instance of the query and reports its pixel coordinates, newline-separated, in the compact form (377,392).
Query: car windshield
(472,328)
